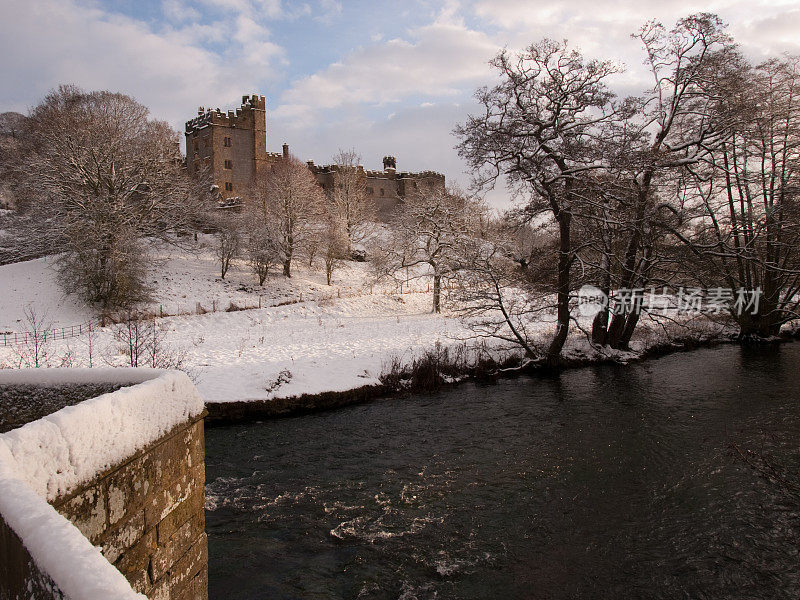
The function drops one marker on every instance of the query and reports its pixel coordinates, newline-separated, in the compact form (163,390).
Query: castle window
(228,164)
(205,142)
(228,186)
(381,191)
(370,191)
(227,142)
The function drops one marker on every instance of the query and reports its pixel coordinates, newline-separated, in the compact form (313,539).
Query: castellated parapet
(387,189)
(231,148)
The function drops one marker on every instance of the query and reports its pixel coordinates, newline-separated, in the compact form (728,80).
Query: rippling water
(605,482)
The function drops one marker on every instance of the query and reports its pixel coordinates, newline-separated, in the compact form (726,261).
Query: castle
(232,148)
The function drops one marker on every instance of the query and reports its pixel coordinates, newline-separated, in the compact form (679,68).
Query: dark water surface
(606,482)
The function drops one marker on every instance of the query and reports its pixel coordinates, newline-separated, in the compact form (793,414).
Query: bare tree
(348,201)
(37,345)
(295,205)
(742,205)
(335,246)
(495,295)
(144,344)
(538,131)
(100,175)
(261,252)
(424,237)
(228,244)
(674,130)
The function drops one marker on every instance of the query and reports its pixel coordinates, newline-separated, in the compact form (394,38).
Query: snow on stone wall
(53,456)
(61,451)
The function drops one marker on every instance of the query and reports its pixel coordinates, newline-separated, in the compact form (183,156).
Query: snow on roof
(69,447)
(50,457)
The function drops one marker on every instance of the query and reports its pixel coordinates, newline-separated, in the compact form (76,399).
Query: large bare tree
(742,205)
(292,205)
(100,175)
(425,238)
(348,202)
(670,129)
(537,131)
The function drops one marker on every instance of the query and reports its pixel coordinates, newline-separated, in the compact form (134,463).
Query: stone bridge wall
(146,514)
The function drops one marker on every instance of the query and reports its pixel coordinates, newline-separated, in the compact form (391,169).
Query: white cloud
(602,28)
(253,38)
(61,41)
(178,11)
(442,59)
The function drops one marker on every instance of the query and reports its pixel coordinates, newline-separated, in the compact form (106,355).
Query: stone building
(231,148)
(387,189)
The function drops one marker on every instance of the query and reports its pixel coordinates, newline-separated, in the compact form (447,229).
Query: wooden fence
(46,335)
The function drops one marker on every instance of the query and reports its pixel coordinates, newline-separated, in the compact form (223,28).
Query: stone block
(137,558)
(140,581)
(160,591)
(164,500)
(122,536)
(88,512)
(196,589)
(177,454)
(128,487)
(169,553)
(193,506)
(188,567)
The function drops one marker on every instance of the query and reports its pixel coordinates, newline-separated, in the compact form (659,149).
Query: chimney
(285,150)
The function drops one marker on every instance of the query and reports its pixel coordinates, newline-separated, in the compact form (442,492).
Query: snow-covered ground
(33,283)
(337,338)
(307,338)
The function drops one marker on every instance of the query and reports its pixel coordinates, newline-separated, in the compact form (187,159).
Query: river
(611,481)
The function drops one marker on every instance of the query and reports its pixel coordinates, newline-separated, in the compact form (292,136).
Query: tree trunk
(437,293)
(627,331)
(600,322)
(562,312)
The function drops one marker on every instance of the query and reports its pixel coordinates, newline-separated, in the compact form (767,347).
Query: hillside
(328,338)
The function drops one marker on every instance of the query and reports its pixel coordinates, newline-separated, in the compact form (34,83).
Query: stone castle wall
(246,127)
(214,137)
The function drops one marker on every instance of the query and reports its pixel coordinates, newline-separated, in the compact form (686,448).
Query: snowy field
(337,338)
(307,338)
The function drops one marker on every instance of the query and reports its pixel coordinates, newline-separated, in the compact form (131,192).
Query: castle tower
(231,148)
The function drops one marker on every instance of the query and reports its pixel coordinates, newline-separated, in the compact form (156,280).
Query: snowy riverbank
(336,340)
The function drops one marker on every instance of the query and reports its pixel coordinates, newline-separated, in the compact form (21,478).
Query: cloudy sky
(383,77)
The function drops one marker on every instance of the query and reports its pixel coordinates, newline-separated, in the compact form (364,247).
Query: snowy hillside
(318,337)
(308,337)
